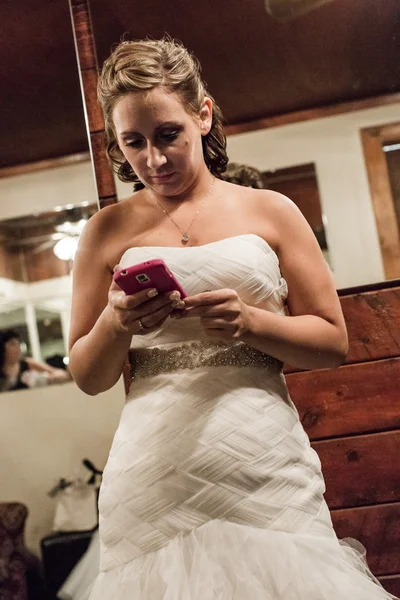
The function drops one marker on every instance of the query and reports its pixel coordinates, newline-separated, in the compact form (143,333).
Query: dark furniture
(60,553)
(20,571)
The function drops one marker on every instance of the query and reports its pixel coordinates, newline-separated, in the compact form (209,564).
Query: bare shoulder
(273,213)
(102,220)
(275,205)
(103,231)
(286,226)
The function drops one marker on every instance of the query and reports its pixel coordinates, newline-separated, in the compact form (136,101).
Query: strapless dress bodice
(245,263)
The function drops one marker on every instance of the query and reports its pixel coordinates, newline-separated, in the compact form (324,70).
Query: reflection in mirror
(36,255)
(46,182)
(392,155)
(300,184)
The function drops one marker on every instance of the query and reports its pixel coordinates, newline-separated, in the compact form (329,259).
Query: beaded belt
(154,361)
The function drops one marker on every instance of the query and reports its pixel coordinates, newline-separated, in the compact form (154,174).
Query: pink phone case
(150,274)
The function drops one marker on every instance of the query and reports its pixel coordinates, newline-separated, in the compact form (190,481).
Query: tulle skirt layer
(225,561)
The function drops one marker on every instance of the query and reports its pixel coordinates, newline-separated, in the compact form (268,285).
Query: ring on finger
(141,326)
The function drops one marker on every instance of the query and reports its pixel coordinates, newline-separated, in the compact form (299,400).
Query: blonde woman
(211,490)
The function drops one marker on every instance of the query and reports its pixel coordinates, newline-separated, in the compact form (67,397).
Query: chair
(19,569)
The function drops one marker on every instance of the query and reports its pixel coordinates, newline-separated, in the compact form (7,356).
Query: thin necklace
(185,234)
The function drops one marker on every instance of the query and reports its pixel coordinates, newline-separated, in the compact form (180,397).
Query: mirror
(36,255)
(46,186)
(305,104)
(392,155)
(46,183)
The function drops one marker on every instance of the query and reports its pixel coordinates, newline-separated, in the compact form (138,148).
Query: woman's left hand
(222,313)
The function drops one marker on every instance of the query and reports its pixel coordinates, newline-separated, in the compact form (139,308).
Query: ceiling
(254,66)
(41,113)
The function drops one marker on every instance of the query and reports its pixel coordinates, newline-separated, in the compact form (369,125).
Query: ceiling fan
(63,239)
(284,10)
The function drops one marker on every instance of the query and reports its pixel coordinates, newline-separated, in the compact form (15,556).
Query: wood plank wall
(352,416)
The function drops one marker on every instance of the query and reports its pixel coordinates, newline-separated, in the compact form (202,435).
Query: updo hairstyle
(136,66)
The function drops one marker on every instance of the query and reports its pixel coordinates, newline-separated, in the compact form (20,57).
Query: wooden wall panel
(391,583)
(373,320)
(301,186)
(44,265)
(12,265)
(378,529)
(361,470)
(359,398)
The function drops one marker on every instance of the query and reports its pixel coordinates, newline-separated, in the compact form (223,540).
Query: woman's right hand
(143,312)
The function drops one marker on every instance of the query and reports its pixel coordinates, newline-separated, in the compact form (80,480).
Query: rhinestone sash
(155,361)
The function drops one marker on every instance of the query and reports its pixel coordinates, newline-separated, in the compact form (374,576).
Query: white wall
(44,435)
(20,292)
(44,190)
(334,145)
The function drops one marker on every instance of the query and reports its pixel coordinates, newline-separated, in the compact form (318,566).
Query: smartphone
(150,274)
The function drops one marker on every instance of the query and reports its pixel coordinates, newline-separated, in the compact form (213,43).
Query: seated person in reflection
(244,175)
(17,372)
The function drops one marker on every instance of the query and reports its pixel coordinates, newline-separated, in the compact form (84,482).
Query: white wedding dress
(212,490)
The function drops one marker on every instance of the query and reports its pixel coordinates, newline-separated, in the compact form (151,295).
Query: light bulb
(65,249)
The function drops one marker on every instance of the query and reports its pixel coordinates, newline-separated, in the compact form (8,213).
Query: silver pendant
(185,238)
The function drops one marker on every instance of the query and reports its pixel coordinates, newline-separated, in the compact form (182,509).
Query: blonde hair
(146,64)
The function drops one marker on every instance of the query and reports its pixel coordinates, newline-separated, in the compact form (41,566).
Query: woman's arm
(103,318)
(54,375)
(313,335)
(97,349)
(304,342)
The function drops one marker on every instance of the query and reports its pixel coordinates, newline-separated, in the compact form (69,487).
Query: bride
(211,490)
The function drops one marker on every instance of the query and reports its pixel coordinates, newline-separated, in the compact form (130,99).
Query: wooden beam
(88,69)
(373,139)
(43,165)
(369,287)
(312,113)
